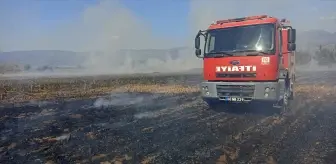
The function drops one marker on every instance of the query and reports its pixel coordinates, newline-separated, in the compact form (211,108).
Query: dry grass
(316,92)
(168,89)
(77,88)
(86,87)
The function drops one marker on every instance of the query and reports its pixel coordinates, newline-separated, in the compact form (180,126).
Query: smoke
(104,28)
(122,99)
(99,33)
(110,27)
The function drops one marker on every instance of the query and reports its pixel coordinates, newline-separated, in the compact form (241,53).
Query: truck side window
(211,43)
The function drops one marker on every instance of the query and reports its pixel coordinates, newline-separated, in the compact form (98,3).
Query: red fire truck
(246,60)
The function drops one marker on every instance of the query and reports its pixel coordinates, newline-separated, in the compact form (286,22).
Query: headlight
(267,89)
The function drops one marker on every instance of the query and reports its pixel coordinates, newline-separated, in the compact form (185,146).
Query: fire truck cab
(249,59)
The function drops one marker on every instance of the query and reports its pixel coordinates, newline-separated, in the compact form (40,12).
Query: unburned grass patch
(78,93)
(316,92)
(87,87)
(155,88)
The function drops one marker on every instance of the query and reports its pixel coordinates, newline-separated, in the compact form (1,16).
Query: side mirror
(291,46)
(198,53)
(197,41)
(291,35)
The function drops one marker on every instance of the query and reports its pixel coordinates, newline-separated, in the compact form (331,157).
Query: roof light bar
(241,19)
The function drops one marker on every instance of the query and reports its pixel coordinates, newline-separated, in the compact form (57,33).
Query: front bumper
(242,91)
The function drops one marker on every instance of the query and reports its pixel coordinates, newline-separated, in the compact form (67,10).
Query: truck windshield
(258,38)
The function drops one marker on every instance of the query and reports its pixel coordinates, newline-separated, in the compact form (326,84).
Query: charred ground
(160,119)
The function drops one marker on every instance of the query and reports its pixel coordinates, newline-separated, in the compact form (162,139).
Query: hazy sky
(92,25)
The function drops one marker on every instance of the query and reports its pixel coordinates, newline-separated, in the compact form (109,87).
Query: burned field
(160,119)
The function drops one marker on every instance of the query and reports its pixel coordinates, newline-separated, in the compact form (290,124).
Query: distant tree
(325,56)
(302,57)
(27,67)
(2,68)
(9,68)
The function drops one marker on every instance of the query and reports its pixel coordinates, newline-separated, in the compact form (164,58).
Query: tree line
(324,55)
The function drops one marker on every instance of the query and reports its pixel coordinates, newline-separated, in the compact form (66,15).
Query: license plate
(235,99)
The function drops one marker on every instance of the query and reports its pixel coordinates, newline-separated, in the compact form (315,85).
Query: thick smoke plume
(99,33)
(103,29)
